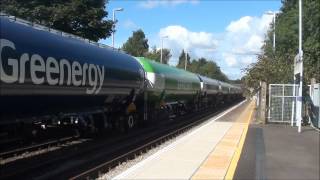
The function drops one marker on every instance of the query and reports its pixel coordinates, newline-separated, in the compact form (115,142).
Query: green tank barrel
(165,77)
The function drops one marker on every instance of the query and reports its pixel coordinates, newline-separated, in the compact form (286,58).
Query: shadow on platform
(277,151)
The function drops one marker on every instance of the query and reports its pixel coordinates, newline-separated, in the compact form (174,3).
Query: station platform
(278,151)
(208,152)
(232,145)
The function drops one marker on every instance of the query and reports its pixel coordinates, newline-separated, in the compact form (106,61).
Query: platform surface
(205,153)
(278,151)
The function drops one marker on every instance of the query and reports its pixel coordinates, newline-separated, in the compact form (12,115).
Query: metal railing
(282,101)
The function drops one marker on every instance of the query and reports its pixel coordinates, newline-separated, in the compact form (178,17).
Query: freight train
(51,79)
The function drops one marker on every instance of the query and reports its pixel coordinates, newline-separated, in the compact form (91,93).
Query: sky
(229,32)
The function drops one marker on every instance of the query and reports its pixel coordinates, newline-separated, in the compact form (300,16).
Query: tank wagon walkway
(209,152)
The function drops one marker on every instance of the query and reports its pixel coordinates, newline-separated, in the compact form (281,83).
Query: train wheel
(130,121)
(34,133)
(181,110)
(126,123)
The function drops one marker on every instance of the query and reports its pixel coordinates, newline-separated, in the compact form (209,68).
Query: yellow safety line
(235,159)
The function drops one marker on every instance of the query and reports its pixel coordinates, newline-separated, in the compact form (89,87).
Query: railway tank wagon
(169,91)
(51,79)
(230,92)
(211,94)
(44,73)
(236,92)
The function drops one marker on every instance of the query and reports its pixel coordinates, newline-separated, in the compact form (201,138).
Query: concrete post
(313,81)
(263,101)
(311,94)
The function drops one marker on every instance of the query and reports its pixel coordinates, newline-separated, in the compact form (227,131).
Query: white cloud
(241,25)
(240,44)
(199,44)
(149,4)
(243,40)
(246,60)
(129,24)
(236,48)
(230,59)
(254,43)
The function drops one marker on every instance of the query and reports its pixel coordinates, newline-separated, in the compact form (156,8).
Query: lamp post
(300,71)
(274,27)
(114,21)
(162,47)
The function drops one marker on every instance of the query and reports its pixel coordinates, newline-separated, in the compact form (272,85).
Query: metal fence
(314,105)
(282,102)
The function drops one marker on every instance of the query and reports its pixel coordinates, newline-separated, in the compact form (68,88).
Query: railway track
(38,166)
(105,167)
(90,159)
(31,148)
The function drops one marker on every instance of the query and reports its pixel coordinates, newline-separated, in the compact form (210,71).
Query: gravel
(126,165)
(41,151)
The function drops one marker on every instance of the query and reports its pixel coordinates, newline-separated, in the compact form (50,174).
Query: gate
(281,103)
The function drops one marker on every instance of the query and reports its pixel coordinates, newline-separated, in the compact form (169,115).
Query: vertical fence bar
(282,105)
(269,107)
(296,103)
(293,104)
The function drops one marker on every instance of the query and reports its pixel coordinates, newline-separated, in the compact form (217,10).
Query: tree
(155,55)
(166,55)
(85,18)
(207,68)
(277,67)
(137,44)
(182,59)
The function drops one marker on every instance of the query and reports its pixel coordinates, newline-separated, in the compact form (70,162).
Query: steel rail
(102,155)
(19,151)
(105,167)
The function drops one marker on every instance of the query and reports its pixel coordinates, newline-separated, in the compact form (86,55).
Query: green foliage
(137,44)
(182,60)
(85,18)
(201,66)
(155,55)
(311,45)
(277,67)
(207,68)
